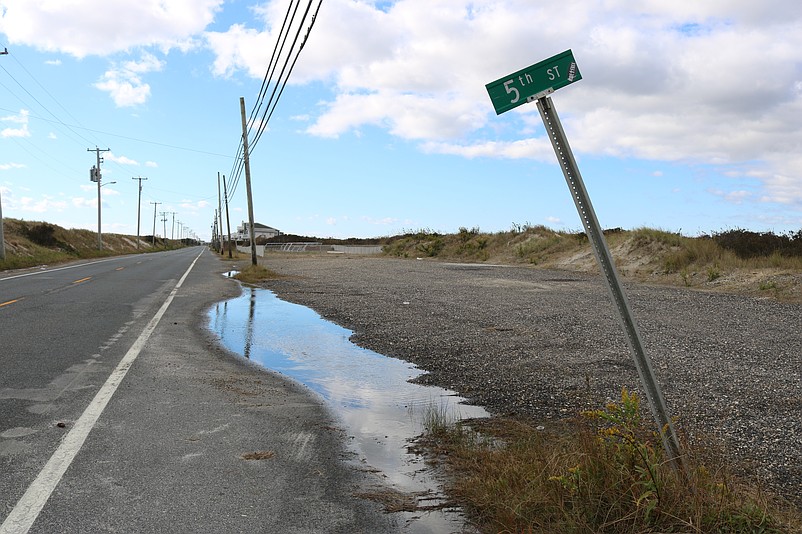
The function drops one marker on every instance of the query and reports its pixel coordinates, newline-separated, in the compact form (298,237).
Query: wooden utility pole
(164,227)
(248,179)
(155,205)
(220,211)
(2,235)
(228,220)
(138,208)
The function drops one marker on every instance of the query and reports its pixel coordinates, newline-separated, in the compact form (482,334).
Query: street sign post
(531,83)
(535,83)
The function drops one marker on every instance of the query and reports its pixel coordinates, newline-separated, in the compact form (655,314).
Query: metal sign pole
(582,200)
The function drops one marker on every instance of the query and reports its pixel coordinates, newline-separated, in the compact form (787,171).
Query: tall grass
(603,473)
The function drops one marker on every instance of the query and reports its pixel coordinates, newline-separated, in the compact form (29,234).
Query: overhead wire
(239,163)
(278,84)
(266,117)
(265,81)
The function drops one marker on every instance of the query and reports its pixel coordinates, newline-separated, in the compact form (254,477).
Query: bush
(746,244)
(42,234)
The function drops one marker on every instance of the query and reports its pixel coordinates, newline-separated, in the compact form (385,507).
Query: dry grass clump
(256,273)
(603,473)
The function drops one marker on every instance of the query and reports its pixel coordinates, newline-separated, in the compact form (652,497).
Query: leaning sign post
(534,84)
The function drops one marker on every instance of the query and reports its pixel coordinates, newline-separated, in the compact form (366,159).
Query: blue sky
(687,117)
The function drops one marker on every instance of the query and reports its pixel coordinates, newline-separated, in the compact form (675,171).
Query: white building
(259,230)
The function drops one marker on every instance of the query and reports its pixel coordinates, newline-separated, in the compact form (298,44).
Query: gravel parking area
(546,344)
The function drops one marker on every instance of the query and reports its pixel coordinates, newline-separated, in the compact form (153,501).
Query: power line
(145,141)
(266,117)
(279,85)
(265,81)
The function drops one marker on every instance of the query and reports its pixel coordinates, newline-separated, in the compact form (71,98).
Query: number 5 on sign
(533,82)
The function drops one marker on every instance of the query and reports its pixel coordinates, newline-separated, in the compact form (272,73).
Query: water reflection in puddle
(368,391)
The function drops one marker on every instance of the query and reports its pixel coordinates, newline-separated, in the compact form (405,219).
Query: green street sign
(533,82)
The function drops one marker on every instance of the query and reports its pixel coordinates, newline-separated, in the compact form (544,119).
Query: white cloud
(99,27)
(82,203)
(122,160)
(531,148)
(44,204)
(715,83)
(151,164)
(53,62)
(22,120)
(8,166)
(193,206)
(734,197)
(124,83)
(384,221)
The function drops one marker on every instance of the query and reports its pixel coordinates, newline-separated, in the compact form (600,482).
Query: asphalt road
(119,412)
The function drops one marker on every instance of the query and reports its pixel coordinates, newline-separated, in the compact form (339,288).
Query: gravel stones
(547,344)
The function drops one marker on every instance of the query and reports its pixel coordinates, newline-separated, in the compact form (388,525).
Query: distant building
(259,230)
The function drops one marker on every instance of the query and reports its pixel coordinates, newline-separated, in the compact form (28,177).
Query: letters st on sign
(533,82)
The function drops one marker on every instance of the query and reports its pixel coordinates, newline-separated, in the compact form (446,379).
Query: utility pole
(172,228)
(95,176)
(154,222)
(215,233)
(228,220)
(138,208)
(220,211)
(164,227)
(247,178)
(2,235)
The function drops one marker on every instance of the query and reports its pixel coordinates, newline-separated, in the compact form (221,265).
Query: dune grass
(603,472)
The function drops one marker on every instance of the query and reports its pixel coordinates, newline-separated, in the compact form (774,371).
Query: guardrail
(313,247)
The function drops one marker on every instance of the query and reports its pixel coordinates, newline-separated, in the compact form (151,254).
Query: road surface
(119,413)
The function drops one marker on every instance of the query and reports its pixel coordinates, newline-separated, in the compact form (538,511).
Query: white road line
(22,517)
(59,269)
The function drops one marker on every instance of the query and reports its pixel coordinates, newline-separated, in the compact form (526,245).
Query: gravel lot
(545,344)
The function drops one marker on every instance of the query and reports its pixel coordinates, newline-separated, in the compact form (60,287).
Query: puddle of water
(369,392)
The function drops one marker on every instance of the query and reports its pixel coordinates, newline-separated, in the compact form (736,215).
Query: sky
(688,116)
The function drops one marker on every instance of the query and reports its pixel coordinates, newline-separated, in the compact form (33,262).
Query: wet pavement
(370,393)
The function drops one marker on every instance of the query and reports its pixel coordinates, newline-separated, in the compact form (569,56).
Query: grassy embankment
(761,264)
(31,243)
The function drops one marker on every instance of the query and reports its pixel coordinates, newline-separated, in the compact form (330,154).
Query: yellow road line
(119,268)
(11,302)
(82,280)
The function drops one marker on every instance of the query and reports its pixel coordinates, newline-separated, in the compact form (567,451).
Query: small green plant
(713,273)
(433,247)
(766,285)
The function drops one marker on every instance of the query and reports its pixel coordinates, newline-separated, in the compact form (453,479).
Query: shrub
(42,234)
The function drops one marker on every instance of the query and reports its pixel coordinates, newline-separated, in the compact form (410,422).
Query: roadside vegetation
(32,243)
(763,264)
(603,472)
(252,274)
